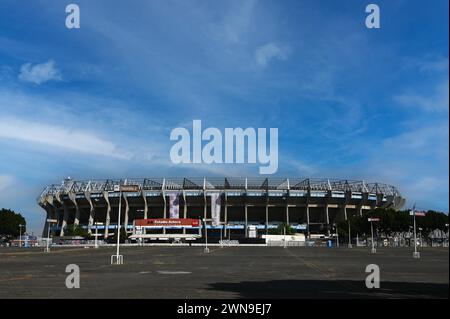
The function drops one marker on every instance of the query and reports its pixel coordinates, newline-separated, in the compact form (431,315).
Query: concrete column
(287,214)
(91,211)
(185,205)
(127,209)
(58,214)
(307,220)
(165,204)
(72,197)
(184,209)
(65,219)
(48,210)
(165,209)
(345,211)
(246,221)
(145,205)
(328,218)
(108,214)
(225,215)
(205,207)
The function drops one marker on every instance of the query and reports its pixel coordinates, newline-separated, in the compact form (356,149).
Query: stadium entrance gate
(173,229)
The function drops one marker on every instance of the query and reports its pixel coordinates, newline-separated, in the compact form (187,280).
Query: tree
(280,230)
(393,221)
(123,235)
(432,220)
(9,223)
(75,230)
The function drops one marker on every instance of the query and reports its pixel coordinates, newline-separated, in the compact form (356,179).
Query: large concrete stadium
(309,205)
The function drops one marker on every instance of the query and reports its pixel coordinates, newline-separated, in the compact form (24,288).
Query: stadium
(311,206)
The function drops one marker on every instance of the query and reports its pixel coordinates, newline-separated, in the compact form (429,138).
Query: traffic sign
(373,219)
(411,213)
(52,220)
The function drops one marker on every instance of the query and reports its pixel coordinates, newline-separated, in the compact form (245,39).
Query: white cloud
(269,51)
(55,136)
(436,101)
(39,73)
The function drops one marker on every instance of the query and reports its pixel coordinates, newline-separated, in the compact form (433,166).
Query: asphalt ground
(229,272)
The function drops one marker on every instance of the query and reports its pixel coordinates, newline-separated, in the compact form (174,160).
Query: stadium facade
(310,205)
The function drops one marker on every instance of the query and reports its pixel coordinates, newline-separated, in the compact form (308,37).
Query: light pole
(337,234)
(206,250)
(117,257)
(416,254)
(349,235)
(371,220)
(446,225)
(96,235)
(49,221)
(20,235)
(221,229)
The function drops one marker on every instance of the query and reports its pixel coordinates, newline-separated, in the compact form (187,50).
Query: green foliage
(123,235)
(74,230)
(9,223)
(280,230)
(432,220)
(392,221)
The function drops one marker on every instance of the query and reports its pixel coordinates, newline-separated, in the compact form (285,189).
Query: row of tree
(392,221)
(9,224)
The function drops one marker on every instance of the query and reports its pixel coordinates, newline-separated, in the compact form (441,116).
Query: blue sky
(101,101)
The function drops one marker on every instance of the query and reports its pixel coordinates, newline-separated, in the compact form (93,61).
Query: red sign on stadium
(167,222)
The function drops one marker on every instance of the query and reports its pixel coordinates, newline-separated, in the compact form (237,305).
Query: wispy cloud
(72,139)
(270,51)
(435,101)
(39,73)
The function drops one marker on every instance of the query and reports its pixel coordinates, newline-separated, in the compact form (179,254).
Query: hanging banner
(174,201)
(215,209)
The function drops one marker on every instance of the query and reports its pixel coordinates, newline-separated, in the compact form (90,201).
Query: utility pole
(416,254)
(20,235)
(349,235)
(47,246)
(206,250)
(371,220)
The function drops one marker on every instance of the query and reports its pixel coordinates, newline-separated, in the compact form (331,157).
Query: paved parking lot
(230,272)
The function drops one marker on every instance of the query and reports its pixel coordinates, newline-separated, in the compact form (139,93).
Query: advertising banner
(215,209)
(166,222)
(174,202)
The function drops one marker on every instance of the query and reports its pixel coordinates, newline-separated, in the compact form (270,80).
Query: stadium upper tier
(306,185)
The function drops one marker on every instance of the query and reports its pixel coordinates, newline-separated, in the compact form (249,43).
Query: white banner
(215,209)
(174,202)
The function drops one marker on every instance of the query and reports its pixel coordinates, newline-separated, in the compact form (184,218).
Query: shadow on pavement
(322,289)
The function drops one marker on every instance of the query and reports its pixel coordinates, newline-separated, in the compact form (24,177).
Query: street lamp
(371,220)
(206,250)
(349,235)
(416,254)
(47,246)
(446,225)
(20,234)
(337,234)
(117,257)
